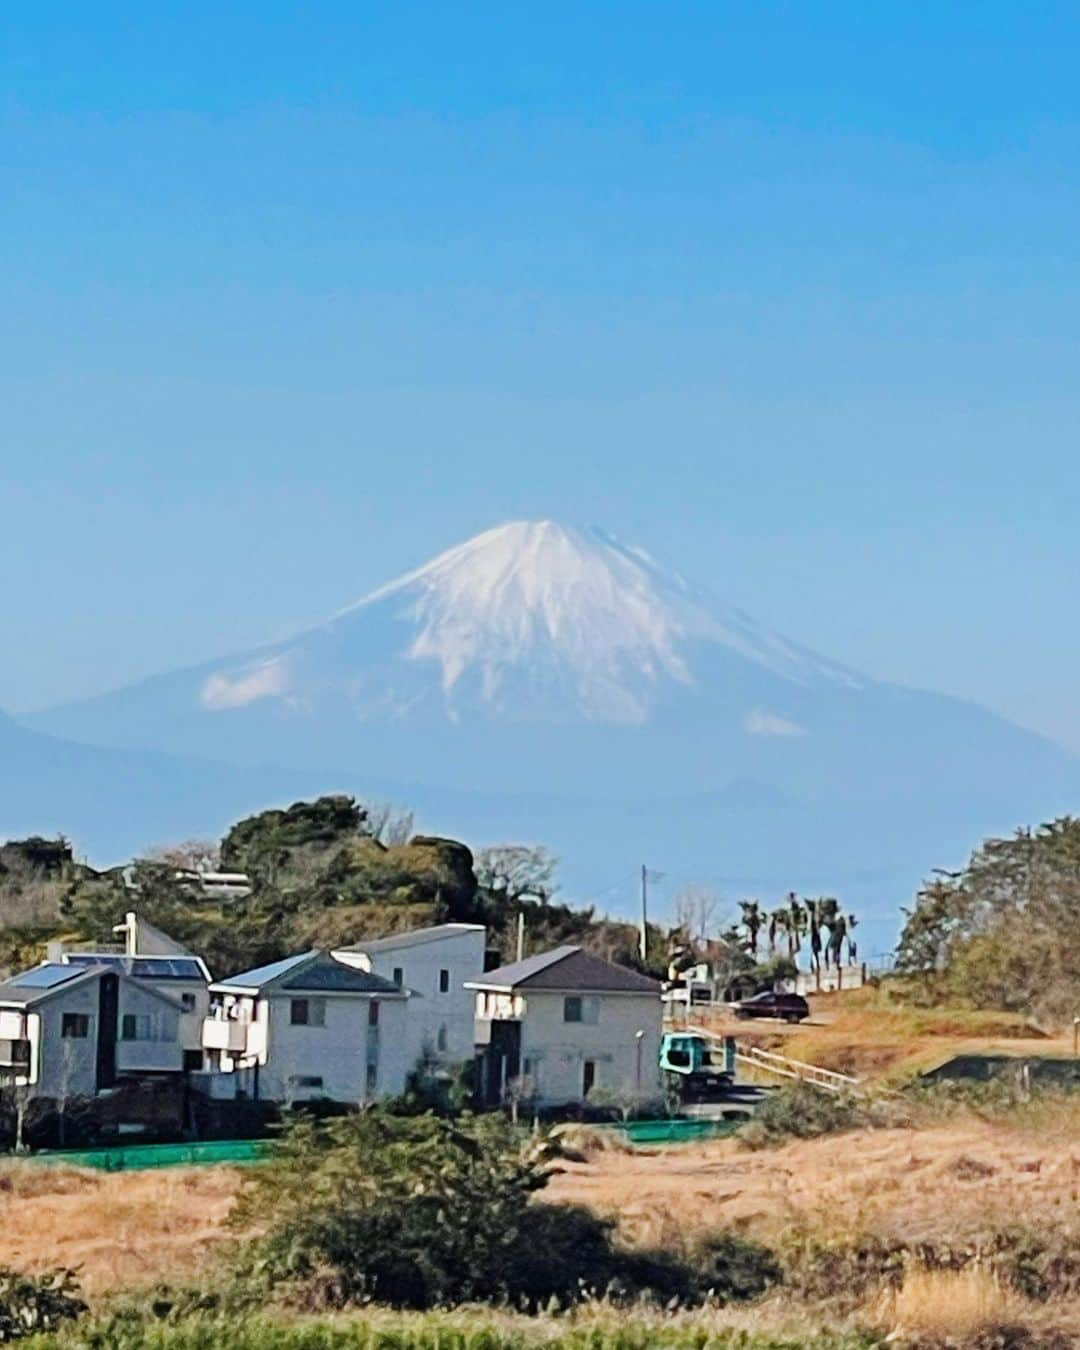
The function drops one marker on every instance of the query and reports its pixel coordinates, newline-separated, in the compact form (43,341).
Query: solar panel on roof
(85,959)
(43,977)
(141,967)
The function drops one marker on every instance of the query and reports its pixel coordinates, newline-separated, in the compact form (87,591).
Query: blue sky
(296,295)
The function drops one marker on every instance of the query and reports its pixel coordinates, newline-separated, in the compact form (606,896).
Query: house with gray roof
(70,1031)
(565,1026)
(306,1027)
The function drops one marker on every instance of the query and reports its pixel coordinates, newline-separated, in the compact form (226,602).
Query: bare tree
(389,824)
(189,855)
(515,872)
(695,911)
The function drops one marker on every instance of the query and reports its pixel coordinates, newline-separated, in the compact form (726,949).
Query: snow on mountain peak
(531,619)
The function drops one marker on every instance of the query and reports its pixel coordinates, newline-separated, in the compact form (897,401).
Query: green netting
(136,1157)
(674,1131)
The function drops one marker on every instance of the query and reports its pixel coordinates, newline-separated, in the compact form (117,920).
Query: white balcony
(14,1054)
(12,1025)
(231,1037)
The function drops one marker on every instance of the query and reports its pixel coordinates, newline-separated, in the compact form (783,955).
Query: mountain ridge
(540,664)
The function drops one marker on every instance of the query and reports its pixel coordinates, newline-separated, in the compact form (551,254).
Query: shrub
(33,1303)
(419,1211)
(802,1111)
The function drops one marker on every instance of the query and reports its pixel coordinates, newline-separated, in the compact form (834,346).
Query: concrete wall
(556,1050)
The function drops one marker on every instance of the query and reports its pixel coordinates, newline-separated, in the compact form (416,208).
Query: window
(399,976)
(373,1012)
(75,1026)
(187,1002)
(307,1012)
(305,1081)
(443,1039)
(372,1079)
(580,1008)
(588,1077)
(137,1027)
(444,981)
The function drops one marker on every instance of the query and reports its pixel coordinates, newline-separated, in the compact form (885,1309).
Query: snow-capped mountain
(542,682)
(531,621)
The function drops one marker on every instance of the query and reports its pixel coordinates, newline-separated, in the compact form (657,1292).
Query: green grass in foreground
(436,1331)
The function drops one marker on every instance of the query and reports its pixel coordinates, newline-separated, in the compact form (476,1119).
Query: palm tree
(778,923)
(837,934)
(827,911)
(796,924)
(852,946)
(752,920)
(814,922)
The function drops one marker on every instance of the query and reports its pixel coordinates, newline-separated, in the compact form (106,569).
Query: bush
(419,1211)
(802,1111)
(33,1303)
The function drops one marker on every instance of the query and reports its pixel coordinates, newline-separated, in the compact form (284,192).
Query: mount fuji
(549,683)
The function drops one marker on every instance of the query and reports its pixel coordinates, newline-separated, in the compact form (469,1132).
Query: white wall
(337,1052)
(429,1010)
(163,1052)
(67,1067)
(557,1050)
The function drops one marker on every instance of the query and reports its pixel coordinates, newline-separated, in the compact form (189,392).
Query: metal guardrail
(798,1070)
(784,1067)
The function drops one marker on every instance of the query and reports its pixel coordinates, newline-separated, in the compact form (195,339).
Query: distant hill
(539,682)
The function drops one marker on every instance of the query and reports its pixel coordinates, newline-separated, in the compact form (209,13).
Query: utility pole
(644,944)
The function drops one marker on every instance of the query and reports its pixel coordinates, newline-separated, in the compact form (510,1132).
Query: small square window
(308,1011)
(572,1008)
(75,1026)
(444,981)
(187,1002)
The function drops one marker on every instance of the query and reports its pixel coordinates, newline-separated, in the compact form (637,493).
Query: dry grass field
(952,1184)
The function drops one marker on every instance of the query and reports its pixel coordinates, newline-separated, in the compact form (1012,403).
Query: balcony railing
(218,1034)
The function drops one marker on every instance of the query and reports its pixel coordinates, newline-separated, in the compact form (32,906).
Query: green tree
(1005,931)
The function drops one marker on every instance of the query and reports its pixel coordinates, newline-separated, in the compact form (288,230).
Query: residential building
(433,964)
(159,962)
(306,1027)
(73,1031)
(566,1024)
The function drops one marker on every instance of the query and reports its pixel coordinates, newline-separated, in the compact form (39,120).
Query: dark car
(788,1007)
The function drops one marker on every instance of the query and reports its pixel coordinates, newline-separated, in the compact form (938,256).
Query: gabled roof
(314,972)
(327,975)
(263,975)
(568,969)
(415,937)
(40,982)
(52,977)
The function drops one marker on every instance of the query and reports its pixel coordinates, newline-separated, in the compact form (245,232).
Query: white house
(73,1031)
(433,964)
(567,1024)
(159,962)
(306,1027)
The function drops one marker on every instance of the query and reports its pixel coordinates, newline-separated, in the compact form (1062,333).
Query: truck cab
(697,1066)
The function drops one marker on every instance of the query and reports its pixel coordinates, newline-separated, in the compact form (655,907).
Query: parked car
(787,1007)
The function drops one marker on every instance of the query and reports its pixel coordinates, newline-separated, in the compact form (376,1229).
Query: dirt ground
(136,1229)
